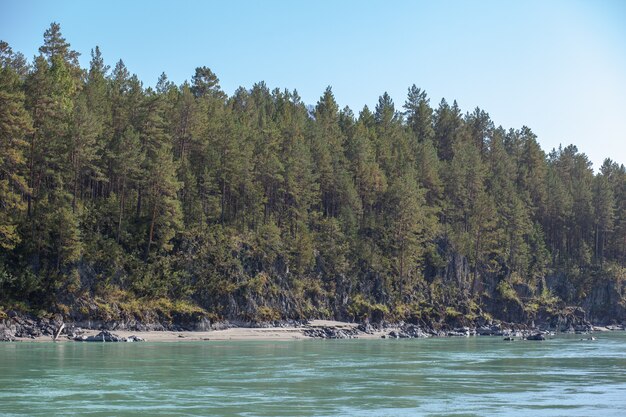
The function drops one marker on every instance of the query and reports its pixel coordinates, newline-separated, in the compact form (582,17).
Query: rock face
(607,301)
(106,336)
(30,327)
(493,330)
(568,319)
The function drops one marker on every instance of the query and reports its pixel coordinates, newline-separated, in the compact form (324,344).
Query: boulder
(327,332)
(412,331)
(366,328)
(6,336)
(106,336)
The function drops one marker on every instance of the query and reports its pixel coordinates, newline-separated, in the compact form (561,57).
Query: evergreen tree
(447,126)
(419,114)
(15,126)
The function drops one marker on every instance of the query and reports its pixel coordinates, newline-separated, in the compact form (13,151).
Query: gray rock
(460,332)
(106,336)
(366,328)
(331,333)
(103,336)
(6,336)
(203,325)
(412,331)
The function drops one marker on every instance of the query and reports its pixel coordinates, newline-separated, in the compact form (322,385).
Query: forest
(121,201)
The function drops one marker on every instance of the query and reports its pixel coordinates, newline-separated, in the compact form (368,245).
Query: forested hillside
(116,199)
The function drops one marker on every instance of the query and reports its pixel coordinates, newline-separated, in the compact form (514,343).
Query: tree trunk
(139,203)
(151,234)
(119,220)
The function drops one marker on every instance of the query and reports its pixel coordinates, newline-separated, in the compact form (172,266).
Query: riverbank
(45,331)
(310,330)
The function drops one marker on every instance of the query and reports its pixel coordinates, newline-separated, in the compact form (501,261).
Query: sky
(558,67)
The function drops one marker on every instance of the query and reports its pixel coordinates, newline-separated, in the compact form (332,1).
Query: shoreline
(314,329)
(304,332)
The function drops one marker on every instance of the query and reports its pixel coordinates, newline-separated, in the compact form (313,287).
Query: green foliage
(267,314)
(361,309)
(452,313)
(506,291)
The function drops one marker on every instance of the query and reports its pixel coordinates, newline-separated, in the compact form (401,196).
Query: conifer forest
(120,201)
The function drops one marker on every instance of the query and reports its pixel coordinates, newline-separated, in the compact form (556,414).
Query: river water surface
(478,376)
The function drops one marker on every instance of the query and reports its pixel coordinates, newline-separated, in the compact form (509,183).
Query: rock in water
(105,336)
(537,336)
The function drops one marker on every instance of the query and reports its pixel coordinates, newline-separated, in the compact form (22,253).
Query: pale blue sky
(557,66)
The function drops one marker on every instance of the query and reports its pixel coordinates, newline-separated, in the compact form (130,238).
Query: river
(482,376)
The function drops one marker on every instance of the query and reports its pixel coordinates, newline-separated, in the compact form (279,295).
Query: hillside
(124,202)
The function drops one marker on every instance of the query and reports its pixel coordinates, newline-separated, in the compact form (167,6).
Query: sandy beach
(234,333)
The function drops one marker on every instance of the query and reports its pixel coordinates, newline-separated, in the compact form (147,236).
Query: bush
(265,313)
(506,291)
(361,309)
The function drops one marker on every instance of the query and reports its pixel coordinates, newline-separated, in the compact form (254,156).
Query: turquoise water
(449,376)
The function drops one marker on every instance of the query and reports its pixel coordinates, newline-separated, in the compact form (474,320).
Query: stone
(366,328)
(6,336)
(393,335)
(103,336)
(536,336)
(330,333)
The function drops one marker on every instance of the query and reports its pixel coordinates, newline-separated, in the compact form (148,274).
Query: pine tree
(162,209)
(15,125)
(604,209)
(447,126)
(419,114)
(409,226)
